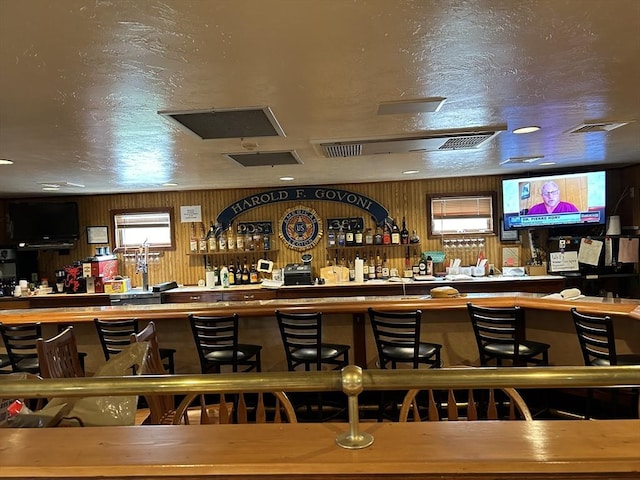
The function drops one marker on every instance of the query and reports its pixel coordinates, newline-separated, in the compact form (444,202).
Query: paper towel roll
(359,267)
(210,279)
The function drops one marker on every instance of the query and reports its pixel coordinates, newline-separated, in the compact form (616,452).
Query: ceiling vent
(597,127)
(265,159)
(429,142)
(228,123)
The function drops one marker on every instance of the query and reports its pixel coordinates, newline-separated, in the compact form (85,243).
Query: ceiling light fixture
(169,184)
(287,179)
(51,188)
(410,172)
(546,164)
(529,129)
(4,161)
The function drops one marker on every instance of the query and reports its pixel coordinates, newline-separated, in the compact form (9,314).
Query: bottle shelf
(371,246)
(230,252)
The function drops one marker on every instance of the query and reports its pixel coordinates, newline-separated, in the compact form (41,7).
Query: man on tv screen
(551,202)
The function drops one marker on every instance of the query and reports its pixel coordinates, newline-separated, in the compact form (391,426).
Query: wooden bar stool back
(58,356)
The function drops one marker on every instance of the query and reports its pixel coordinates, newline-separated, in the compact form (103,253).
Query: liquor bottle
(377,239)
(416,262)
(352,271)
(211,239)
(404,233)
(331,238)
(224,277)
(378,265)
(349,236)
(358,237)
(408,272)
(245,272)
(232,274)
(202,242)
(385,267)
(257,241)
(193,241)
(414,237)
(253,274)
(238,272)
(386,235)
(395,234)
(365,267)
(341,237)
(266,242)
(222,242)
(248,242)
(239,240)
(368,237)
(372,267)
(231,239)
(429,265)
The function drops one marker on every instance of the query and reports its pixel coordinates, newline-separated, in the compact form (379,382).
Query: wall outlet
(562,243)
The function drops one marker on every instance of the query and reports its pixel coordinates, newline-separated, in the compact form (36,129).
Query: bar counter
(445,321)
(445,450)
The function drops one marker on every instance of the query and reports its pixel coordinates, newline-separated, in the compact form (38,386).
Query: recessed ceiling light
(410,172)
(545,164)
(51,189)
(287,179)
(4,161)
(50,186)
(169,184)
(530,129)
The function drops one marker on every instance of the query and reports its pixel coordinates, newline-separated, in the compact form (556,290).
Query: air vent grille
(347,150)
(597,127)
(464,142)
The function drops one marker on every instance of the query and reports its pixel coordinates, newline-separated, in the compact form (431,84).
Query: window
(461,214)
(154,226)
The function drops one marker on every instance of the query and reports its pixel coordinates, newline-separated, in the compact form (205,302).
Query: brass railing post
(352,386)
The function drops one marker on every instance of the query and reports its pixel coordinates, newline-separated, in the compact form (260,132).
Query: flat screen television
(43,222)
(552,201)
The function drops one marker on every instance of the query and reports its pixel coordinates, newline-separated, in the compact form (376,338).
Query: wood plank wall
(406,198)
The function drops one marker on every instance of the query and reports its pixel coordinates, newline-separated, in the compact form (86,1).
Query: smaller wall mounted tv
(554,201)
(46,222)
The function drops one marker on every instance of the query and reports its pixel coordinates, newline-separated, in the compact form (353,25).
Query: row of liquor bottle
(228,241)
(383,234)
(237,273)
(379,267)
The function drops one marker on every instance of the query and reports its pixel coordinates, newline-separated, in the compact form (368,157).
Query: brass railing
(352,380)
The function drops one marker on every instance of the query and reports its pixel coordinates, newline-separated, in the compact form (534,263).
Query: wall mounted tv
(554,200)
(43,222)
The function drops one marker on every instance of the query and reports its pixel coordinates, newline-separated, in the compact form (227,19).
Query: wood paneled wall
(406,198)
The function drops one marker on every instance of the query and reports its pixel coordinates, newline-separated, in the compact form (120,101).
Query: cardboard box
(117,286)
(536,270)
(107,268)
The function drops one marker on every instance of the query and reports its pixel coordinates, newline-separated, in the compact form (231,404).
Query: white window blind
(135,228)
(461,215)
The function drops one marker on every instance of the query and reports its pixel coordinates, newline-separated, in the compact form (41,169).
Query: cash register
(299,273)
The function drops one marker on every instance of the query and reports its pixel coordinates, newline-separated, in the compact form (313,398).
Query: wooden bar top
(581,448)
(356,304)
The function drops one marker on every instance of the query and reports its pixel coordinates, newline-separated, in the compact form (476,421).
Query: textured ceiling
(82,82)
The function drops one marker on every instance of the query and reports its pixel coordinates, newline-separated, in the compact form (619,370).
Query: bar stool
(216,339)
(303,346)
(598,346)
(115,335)
(397,337)
(20,342)
(501,335)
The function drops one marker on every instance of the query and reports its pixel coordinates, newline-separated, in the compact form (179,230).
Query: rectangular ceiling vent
(597,127)
(264,159)
(228,123)
(434,141)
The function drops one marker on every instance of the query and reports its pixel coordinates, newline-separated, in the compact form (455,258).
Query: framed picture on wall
(97,235)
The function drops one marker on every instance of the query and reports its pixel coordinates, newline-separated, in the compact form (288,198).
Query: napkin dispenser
(298,274)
